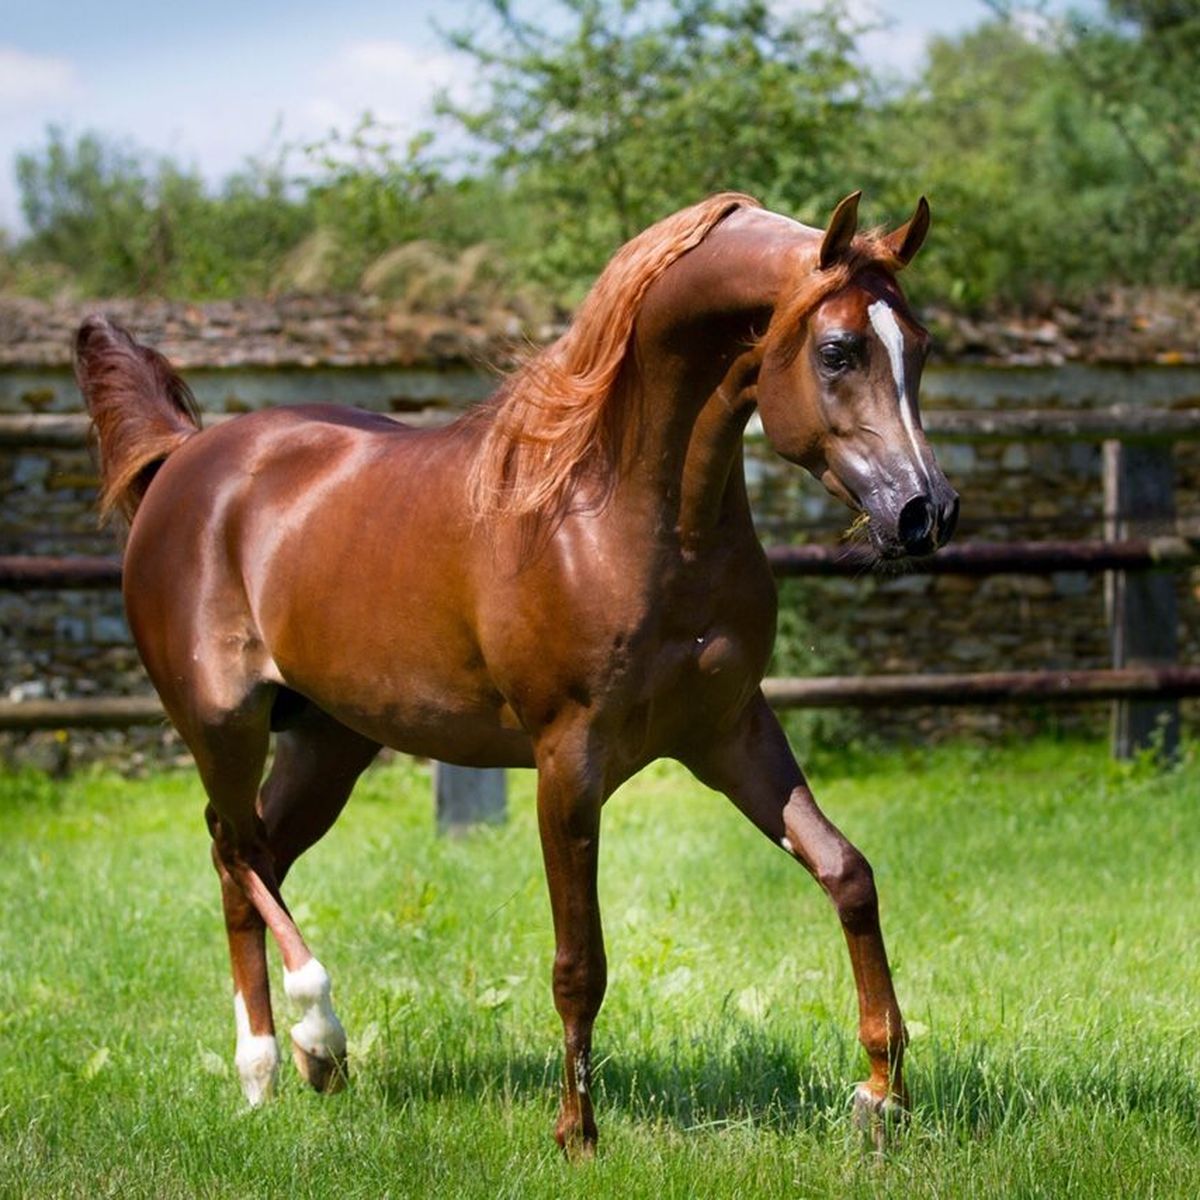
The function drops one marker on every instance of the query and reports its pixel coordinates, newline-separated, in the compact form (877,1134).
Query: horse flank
(141,411)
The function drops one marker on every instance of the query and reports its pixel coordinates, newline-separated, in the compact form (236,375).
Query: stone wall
(71,643)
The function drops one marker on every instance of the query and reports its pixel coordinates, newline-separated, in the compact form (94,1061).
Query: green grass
(1041,906)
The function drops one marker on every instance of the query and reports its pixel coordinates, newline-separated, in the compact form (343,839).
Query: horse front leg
(569,825)
(754,766)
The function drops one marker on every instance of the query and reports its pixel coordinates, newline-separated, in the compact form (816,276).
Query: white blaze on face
(887,329)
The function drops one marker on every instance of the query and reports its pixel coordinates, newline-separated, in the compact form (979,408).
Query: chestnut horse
(567,578)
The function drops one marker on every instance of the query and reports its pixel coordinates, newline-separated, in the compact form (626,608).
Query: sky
(216,81)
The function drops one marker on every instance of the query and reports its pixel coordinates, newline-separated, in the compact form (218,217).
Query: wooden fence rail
(829,691)
(986,687)
(98,572)
(1128,423)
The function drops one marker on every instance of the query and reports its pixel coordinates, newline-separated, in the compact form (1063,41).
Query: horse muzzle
(923,523)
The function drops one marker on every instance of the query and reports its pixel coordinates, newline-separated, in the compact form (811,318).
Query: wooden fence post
(465,796)
(1139,494)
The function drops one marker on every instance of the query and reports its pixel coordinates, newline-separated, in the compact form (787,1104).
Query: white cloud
(31,80)
(392,61)
(1034,26)
(396,81)
(896,40)
(901,51)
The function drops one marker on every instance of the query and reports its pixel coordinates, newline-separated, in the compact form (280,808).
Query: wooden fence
(1145,681)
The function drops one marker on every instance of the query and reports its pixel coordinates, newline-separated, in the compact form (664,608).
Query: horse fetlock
(256,1058)
(576,1134)
(318,1039)
(257,1062)
(884,1038)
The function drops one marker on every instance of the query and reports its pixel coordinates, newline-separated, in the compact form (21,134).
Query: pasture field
(1041,905)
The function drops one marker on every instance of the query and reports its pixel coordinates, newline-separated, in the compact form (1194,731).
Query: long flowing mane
(560,413)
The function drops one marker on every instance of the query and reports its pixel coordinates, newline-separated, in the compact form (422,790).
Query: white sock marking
(256,1057)
(318,1032)
(887,328)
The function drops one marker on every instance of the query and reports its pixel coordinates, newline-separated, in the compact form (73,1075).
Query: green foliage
(1159,17)
(1059,157)
(1024,175)
(1146,86)
(367,194)
(604,115)
(1057,163)
(122,221)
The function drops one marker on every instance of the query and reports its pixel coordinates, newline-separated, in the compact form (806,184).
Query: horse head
(837,390)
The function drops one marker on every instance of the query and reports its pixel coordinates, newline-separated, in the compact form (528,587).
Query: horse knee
(850,884)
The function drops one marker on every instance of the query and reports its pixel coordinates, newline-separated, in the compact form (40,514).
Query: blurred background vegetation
(1058,155)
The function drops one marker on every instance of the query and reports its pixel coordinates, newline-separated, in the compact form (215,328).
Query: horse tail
(141,411)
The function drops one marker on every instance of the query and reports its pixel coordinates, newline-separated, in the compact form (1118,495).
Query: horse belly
(413,681)
(466,739)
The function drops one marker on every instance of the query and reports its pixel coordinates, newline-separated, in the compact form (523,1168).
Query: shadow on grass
(746,1077)
(730,1076)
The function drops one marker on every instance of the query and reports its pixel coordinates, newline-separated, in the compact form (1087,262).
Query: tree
(89,202)
(1136,74)
(127,222)
(603,115)
(1157,17)
(1025,177)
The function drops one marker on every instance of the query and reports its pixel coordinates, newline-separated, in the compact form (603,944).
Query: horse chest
(702,654)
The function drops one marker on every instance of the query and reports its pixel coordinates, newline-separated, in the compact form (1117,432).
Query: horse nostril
(949,521)
(915,526)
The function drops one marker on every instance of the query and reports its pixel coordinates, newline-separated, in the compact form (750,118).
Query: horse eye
(833,357)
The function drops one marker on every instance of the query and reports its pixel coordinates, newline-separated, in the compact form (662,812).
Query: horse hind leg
(230,749)
(317,762)
(229,744)
(257,1053)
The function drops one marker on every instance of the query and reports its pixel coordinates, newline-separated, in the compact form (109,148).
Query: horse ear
(842,227)
(906,241)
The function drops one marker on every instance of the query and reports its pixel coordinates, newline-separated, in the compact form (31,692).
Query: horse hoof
(879,1117)
(323,1074)
(577,1146)
(577,1150)
(257,1062)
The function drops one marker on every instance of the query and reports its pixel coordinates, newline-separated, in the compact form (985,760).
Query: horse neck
(697,359)
(713,484)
